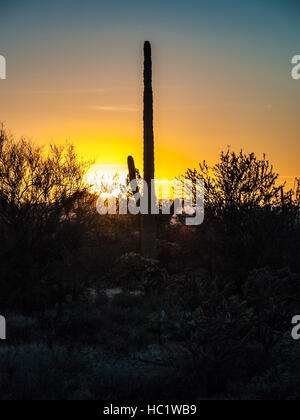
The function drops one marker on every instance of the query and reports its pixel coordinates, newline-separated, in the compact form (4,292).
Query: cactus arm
(132,174)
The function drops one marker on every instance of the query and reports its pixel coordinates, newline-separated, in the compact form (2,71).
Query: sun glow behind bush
(107,179)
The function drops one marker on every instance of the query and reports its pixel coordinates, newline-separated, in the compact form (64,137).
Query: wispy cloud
(67,91)
(89,90)
(111,108)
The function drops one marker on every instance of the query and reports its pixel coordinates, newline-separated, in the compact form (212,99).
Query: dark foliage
(89,318)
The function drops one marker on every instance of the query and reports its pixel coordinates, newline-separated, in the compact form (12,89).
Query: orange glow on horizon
(198,111)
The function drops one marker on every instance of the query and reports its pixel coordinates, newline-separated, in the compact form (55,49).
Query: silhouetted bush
(250,222)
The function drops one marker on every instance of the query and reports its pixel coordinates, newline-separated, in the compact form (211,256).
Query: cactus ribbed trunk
(148,117)
(148,221)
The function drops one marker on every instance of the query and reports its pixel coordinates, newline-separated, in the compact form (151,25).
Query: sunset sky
(221,76)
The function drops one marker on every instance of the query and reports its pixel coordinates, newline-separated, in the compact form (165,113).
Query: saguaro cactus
(148,226)
(148,234)
(148,119)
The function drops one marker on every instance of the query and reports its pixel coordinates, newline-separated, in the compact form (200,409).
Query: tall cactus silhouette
(148,234)
(148,118)
(148,226)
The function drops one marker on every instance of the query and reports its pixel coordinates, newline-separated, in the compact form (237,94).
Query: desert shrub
(34,371)
(22,329)
(135,271)
(44,218)
(234,337)
(280,379)
(250,222)
(238,181)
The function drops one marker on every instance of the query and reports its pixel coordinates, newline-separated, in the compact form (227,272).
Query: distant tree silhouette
(238,181)
(250,221)
(38,184)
